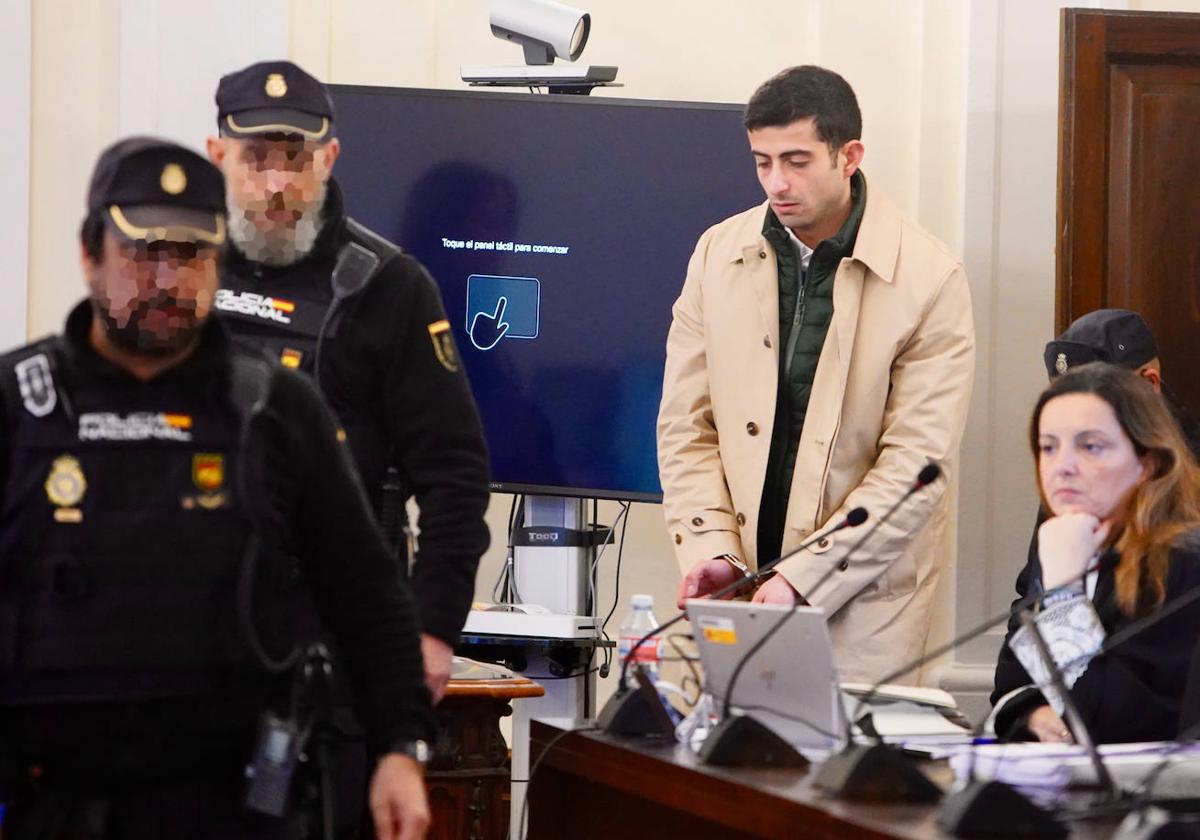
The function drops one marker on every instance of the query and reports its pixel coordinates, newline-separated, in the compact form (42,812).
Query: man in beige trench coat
(773,428)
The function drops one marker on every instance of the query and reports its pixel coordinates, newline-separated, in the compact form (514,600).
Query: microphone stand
(877,771)
(1103,777)
(638,711)
(998,808)
(741,740)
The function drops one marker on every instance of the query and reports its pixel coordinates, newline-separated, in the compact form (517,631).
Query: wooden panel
(1082,168)
(1154,211)
(591,786)
(1128,190)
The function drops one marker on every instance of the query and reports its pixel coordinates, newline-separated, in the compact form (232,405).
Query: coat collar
(877,246)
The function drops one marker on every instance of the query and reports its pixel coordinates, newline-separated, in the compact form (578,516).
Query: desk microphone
(726,744)
(636,711)
(999,806)
(880,772)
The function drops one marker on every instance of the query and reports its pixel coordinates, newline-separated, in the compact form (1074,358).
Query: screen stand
(552,556)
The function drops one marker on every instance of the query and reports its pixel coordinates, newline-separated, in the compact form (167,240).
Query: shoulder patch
(36,382)
(443,345)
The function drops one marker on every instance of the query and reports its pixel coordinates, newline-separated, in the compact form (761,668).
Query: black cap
(274,97)
(1117,336)
(152,189)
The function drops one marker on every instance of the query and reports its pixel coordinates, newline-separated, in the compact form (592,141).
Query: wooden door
(1129,178)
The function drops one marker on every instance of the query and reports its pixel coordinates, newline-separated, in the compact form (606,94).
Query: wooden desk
(468,776)
(592,785)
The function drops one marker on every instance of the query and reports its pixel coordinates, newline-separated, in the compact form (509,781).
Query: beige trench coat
(891,392)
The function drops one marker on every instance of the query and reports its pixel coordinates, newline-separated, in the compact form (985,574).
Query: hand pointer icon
(487,330)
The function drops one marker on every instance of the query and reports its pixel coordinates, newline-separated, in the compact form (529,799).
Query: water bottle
(638,622)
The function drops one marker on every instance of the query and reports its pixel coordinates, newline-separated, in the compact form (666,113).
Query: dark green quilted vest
(805,311)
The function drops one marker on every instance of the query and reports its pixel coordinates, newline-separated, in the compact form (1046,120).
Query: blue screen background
(627,185)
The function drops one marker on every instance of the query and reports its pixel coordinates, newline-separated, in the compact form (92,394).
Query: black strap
(249,386)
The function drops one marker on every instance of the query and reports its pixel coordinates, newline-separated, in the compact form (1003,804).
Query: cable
(597,556)
(616,589)
(690,661)
(533,768)
(514,596)
(502,576)
(617,580)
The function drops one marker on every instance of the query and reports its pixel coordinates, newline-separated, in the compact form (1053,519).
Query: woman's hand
(1066,546)
(1048,727)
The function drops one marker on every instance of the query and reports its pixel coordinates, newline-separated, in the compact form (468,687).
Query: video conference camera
(546,30)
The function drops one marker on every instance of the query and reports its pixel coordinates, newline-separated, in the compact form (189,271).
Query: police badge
(65,487)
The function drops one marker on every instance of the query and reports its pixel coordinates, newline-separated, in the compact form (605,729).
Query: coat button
(752,428)
(741,519)
(844,565)
(766,341)
(762,255)
(678,539)
(824,543)
(697,521)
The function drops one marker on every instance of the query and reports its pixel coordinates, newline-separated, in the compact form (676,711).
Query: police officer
(163,499)
(323,294)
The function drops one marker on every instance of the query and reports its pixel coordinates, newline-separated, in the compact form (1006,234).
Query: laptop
(790,684)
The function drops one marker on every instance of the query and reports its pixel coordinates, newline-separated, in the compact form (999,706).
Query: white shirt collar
(802,251)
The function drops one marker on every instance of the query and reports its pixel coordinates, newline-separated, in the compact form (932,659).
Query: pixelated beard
(283,244)
(134,337)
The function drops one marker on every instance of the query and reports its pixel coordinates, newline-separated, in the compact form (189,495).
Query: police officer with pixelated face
(323,294)
(165,499)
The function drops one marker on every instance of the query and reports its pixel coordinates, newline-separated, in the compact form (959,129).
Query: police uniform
(367,322)
(155,537)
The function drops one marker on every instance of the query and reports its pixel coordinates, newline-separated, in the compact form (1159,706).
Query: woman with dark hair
(1123,540)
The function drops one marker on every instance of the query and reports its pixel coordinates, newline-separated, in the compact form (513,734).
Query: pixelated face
(153,297)
(275,189)
(807,184)
(1086,462)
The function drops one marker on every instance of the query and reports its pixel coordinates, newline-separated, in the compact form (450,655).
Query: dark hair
(91,234)
(1165,505)
(808,91)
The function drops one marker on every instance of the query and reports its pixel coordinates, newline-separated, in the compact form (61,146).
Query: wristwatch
(416,749)
(737,563)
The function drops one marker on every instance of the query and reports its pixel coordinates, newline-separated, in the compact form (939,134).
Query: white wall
(171,58)
(105,69)
(16,58)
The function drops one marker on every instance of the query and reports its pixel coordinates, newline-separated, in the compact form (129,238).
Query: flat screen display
(558,229)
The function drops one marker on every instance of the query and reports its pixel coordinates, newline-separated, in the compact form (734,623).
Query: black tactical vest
(125,538)
(293,330)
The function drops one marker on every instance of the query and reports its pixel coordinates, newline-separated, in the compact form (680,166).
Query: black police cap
(151,189)
(1117,336)
(274,97)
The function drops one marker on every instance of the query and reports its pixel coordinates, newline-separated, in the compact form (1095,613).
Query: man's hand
(1049,728)
(1066,545)
(439,662)
(776,591)
(707,577)
(398,803)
